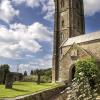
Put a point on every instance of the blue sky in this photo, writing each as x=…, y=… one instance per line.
x=26, y=31
x=92, y=23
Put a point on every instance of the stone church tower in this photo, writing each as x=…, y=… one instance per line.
x=69, y=22
x=70, y=42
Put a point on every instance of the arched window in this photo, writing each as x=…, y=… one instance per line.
x=62, y=3
x=78, y=4
x=62, y=36
x=63, y=23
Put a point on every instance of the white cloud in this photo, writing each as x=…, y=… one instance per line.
x=45, y=62
x=91, y=7
x=29, y=3
x=40, y=32
x=49, y=9
x=47, y=6
x=32, y=3
x=7, y=12
x=20, y=39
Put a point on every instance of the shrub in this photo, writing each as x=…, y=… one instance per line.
x=89, y=69
x=86, y=82
x=81, y=90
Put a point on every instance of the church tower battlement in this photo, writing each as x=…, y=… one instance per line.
x=69, y=22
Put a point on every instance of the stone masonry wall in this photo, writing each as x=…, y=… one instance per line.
x=92, y=47
x=43, y=95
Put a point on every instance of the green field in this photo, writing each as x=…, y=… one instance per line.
x=22, y=88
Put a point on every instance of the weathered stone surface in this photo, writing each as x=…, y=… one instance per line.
x=43, y=95
x=86, y=49
x=83, y=38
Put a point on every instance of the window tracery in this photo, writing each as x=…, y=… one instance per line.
x=62, y=3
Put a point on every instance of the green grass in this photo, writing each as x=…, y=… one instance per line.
x=22, y=88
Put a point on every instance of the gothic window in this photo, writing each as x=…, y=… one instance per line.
x=63, y=24
x=62, y=3
x=77, y=5
x=62, y=37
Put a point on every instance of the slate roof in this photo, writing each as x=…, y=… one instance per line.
x=82, y=38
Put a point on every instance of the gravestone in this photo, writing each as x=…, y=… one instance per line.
x=9, y=81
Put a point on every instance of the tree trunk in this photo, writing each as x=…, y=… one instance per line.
x=39, y=79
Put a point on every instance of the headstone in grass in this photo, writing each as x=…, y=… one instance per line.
x=9, y=81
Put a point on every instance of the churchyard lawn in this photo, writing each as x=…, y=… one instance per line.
x=23, y=88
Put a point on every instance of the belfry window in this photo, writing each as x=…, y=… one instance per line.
x=78, y=4
x=62, y=3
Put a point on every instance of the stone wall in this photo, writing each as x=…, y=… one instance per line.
x=43, y=95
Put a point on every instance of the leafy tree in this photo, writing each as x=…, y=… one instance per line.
x=5, y=66
x=86, y=81
x=90, y=70
x=39, y=73
x=5, y=69
x=25, y=73
x=81, y=90
x=31, y=72
x=47, y=75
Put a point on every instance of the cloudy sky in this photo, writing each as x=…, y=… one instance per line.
x=26, y=31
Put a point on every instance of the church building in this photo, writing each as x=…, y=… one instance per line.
x=70, y=40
